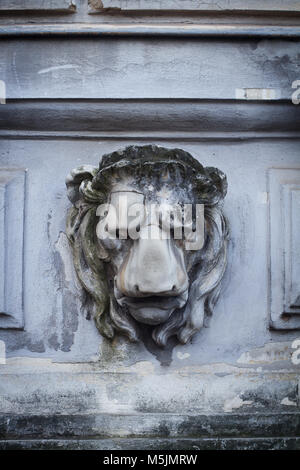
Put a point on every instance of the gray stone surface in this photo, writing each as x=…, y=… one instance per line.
x=49, y=6
x=195, y=5
x=145, y=267
x=176, y=119
x=260, y=18
x=12, y=203
x=140, y=68
x=158, y=425
x=155, y=444
x=53, y=317
x=284, y=185
x=237, y=364
x=227, y=101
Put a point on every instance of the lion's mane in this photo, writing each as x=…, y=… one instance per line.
x=89, y=186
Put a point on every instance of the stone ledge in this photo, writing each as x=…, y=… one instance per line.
x=48, y=6
x=155, y=444
x=35, y=386
x=150, y=29
x=101, y=6
x=150, y=425
x=192, y=116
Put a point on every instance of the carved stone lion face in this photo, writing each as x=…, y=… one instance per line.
x=132, y=254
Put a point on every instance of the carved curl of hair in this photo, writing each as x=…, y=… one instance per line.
x=89, y=186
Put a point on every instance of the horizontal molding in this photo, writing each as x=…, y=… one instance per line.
x=139, y=425
x=148, y=136
x=151, y=444
x=101, y=6
x=51, y=6
x=150, y=29
x=143, y=118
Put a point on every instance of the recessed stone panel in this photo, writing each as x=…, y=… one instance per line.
x=12, y=198
x=284, y=185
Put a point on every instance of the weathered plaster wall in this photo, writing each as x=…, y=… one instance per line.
x=234, y=363
x=55, y=324
x=69, y=101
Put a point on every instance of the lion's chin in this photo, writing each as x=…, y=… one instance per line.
x=151, y=315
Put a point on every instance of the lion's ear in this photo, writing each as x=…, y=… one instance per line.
x=74, y=179
x=219, y=179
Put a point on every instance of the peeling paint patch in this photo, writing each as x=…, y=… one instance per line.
x=234, y=403
x=182, y=356
x=256, y=94
x=263, y=197
x=57, y=67
x=269, y=353
x=2, y=353
x=62, y=247
x=286, y=401
x=67, y=299
x=96, y=4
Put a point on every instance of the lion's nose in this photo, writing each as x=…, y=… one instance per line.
x=154, y=267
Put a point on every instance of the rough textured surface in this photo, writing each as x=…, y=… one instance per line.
x=60, y=329
x=58, y=6
x=141, y=68
x=161, y=426
x=155, y=444
x=142, y=275
x=73, y=99
x=12, y=204
x=179, y=119
x=196, y=5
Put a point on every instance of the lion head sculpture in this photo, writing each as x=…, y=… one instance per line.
x=157, y=281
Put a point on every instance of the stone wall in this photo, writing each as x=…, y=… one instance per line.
x=83, y=80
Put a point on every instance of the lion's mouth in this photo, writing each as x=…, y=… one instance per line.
x=153, y=309
x=155, y=301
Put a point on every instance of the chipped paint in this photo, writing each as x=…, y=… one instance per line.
x=2, y=352
x=286, y=401
x=268, y=354
x=58, y=67
x=256, y=94
x=234, y=403
x=263, y=197
x=183, y=356
x=62, y=247
x=96, y=4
